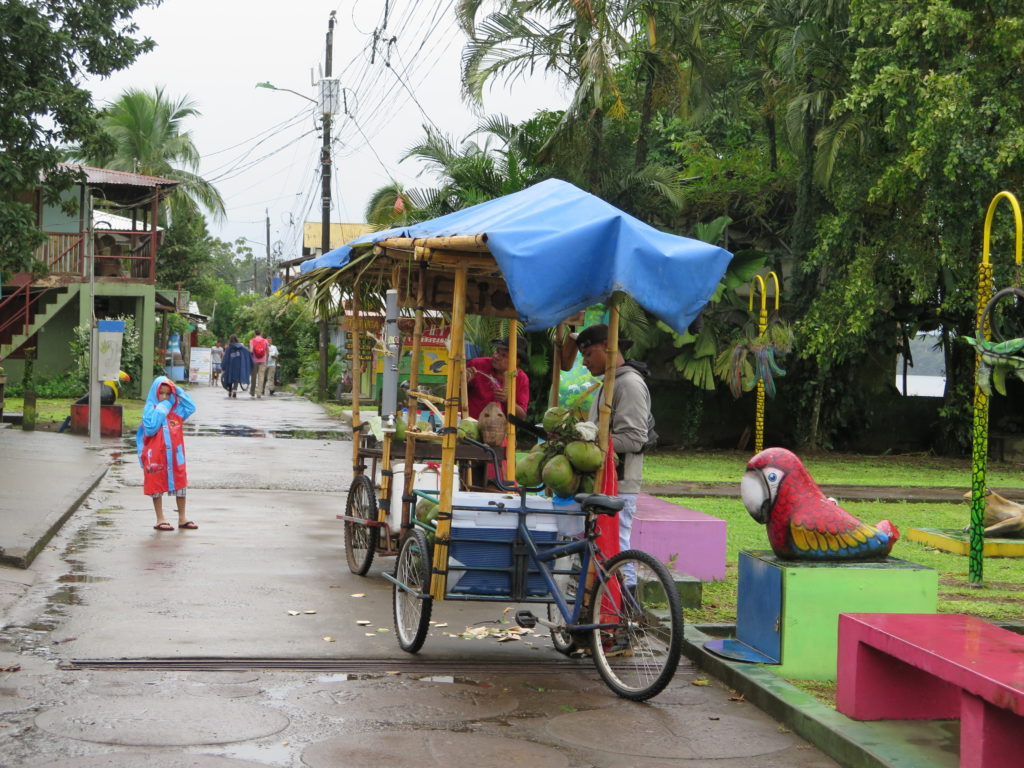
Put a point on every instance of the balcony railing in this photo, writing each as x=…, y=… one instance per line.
x=124, y=254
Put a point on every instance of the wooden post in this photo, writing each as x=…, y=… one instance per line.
x=556, y=364
x=608, y=390
x=510, y=399
x=456, y=363
x=354, y=339
x=408, y=508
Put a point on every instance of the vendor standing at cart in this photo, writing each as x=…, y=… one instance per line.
x=486, y=381
x=632, y=424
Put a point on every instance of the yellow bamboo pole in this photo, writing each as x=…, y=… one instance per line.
x=355, y=336
x=556, y=364
x=412, y=405
x=510, y=399
x=608, y=390
x=456, y=363
x=979, y=453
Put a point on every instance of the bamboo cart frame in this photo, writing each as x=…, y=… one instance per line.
x=456, y=275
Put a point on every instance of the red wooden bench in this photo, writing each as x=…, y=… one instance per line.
x=908, y=666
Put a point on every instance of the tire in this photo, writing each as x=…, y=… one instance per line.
x=650, y=625
x=361, y=540
x=412, y=613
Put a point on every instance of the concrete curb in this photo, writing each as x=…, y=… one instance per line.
x=23, y=558
x=855, y=744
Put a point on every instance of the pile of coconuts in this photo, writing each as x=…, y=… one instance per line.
x=567, y=463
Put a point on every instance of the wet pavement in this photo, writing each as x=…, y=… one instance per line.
x=248, y=642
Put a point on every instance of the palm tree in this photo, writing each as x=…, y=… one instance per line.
x=148, y=136
x=580, y=42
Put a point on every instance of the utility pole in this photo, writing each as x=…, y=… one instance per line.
x=325, y=176
x=269, y=273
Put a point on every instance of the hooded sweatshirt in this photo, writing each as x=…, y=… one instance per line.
x=631, y=421
x=159, y=440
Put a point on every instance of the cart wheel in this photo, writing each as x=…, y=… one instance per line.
x=638, y=657
x=412, y=572
x=360, y=539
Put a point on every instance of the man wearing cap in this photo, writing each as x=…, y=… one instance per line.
x=486, y=380
x=631, y=421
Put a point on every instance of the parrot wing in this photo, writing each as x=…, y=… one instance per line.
x=824, y=529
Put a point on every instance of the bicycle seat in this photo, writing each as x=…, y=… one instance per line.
x=603, y=505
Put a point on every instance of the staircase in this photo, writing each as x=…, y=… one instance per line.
x=37, y=305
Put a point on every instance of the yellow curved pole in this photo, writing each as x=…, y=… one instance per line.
x=979, y=429
x=762, y=327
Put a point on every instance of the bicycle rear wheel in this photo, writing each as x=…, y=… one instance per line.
x=412, y=571
x=637, y=652
x=361, y=539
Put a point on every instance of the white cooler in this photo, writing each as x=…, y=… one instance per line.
x=426, y=479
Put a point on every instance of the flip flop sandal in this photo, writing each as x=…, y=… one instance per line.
x=163, y=527
x=189, y=526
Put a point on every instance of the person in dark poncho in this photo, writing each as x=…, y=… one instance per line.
x=236, y=367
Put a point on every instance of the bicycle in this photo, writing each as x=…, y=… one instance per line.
x=627, y=614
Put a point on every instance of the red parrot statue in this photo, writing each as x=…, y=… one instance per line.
x=803, y=524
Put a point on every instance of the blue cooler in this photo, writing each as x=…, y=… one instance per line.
x=484, y=559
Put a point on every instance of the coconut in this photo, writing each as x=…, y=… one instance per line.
x=554, y=417
x=587, y=481
x=424, y=426
x=469, y=428
x=559, y=477
x=585, y=457
x=528, y=469
x=424, y=509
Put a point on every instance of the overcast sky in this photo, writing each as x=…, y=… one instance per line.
x=261, y=148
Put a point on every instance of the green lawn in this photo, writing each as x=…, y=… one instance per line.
x=51, y=412
x=831, y=468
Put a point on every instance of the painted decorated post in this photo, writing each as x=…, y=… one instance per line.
x=979, y=453
x=762, y=329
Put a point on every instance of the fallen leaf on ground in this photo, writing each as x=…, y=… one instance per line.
x=714, y=718
x=309, y=611
x=11, y=668
x=294, y=613
x=370, y=634
x=328, y=639
x=701, y=681
x=741, y=697
x=358, y=594
x=362, y=622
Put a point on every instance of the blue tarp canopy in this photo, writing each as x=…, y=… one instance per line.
x=561, y=250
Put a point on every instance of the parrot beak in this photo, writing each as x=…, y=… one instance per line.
x=756, y=495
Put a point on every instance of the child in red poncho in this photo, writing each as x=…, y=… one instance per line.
x=161, y=447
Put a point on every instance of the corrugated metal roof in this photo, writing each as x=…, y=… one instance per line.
x=106, y=176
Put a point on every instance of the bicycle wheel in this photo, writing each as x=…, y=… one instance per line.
x=412, y=570
x=361, y=539
x=638, y=656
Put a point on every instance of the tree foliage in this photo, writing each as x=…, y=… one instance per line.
x=46, y=49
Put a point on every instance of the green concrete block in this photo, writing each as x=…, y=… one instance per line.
x=811, y=596
x=690, y=589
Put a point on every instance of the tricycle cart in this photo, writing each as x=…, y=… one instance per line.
x=540, y=256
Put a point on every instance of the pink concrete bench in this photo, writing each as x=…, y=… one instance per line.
x=693, y=541
x=909, y=666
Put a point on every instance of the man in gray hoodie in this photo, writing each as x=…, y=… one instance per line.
x=631, y=421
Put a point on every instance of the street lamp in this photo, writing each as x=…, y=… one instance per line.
x=273, y=87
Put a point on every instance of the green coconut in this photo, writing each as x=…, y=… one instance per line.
x=528, y=469
x=469, y=428
x=584, y=456
x=424, y=509
x=559, y=477
x=424, y=426
x=587, y=481
x=554, y=417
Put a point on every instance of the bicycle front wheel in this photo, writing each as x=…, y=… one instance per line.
x=412, y=572
x=637, y=649
x=361, y=539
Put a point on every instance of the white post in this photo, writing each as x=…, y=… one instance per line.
x=94, y=383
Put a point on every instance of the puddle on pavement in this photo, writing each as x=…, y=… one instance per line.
x=272, y=754
x=452, y=680
x=242, y=430
x=345, y=677
x=81, y=578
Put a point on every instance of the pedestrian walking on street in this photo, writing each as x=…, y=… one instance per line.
x=216, y=358
x=259, y=347
x=161, y=447
x=236, y=367
x=272, y=353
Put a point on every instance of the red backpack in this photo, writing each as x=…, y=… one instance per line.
x=259, y=347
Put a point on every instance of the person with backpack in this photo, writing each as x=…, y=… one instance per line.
x=259, y=347
x=632, y=424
